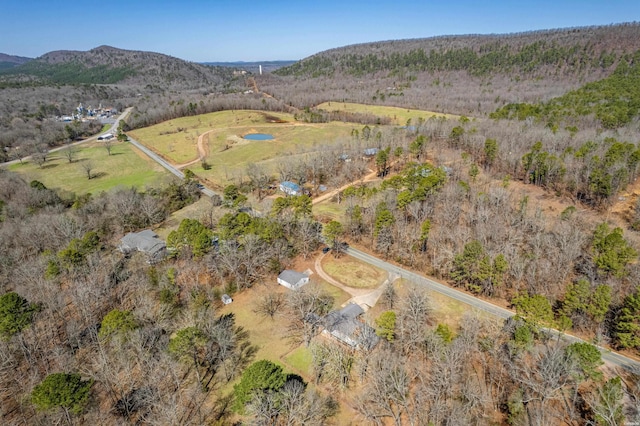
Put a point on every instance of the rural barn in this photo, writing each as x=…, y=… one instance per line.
x=292, y=279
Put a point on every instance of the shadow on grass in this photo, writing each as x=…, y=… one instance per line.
x=98, y=175
x=49, y=166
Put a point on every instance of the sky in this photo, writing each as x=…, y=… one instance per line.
x=262, y=30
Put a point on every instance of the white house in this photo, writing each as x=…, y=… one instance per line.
x=226, y=299
x=292, y=279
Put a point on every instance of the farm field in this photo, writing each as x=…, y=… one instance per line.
x=398, y=115
x=226, y=151
x=126, y=166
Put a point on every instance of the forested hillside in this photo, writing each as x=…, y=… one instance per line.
x=10, y=61
x=473, y=74
x=109, y=65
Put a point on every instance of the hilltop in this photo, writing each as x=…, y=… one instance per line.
x=465, y=74
x=10, y=61
x=110, y=65
x=565, y=51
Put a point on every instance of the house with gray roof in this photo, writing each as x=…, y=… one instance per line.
x=147, y=242
x=347, y=327
x=292, y=279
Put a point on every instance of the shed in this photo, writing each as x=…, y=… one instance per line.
x=292, y=279
x=226, y=299
x=370, y=152
x=105, y=137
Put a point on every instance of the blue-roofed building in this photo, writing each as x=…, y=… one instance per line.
x=290, y=188
x=370, y=152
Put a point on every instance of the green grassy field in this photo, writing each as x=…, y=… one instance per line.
x=177, y=139
x=398, y=115
x=228, y=153
x=125, y=167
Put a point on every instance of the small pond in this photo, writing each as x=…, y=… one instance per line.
x=258, y=137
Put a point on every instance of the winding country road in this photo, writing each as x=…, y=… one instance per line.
x=612, y=358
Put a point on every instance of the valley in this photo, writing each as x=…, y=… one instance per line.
x=474, y=197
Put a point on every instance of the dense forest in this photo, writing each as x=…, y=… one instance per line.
x=513, y=200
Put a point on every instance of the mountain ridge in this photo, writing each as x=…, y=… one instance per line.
x=110, y=65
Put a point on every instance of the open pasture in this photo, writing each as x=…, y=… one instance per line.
x=229, y=154
x=126, y=166
x=398, y=115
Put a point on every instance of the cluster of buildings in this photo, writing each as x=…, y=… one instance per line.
x=345, y=325
x=89, y=113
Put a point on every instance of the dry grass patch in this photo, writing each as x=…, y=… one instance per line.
x=353, y=273
x=399, y=116
x=269, y=335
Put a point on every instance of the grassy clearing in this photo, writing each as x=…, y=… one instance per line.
x=177, y=139
x=125, y=167
x=105, y=128
x=340, y=296
x=327, y=211
x=445, y=309
x=270, y=335
x=300, y=361
x=229, y=154
x=398, y=115
x=353, y=273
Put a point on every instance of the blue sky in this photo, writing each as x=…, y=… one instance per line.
x=259, y=30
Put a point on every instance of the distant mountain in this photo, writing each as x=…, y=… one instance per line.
x=571, y=50
x=109, y=65
x=10, y=61
x=253, y=67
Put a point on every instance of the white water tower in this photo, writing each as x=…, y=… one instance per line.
x=260, y=67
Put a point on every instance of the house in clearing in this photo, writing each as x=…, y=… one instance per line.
x=145, y=241
x=346, y=326
x=292, y=279
x=371, y=152
x=290, y=188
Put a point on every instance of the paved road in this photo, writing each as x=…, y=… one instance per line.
x=158, y=159
x=608, y=356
